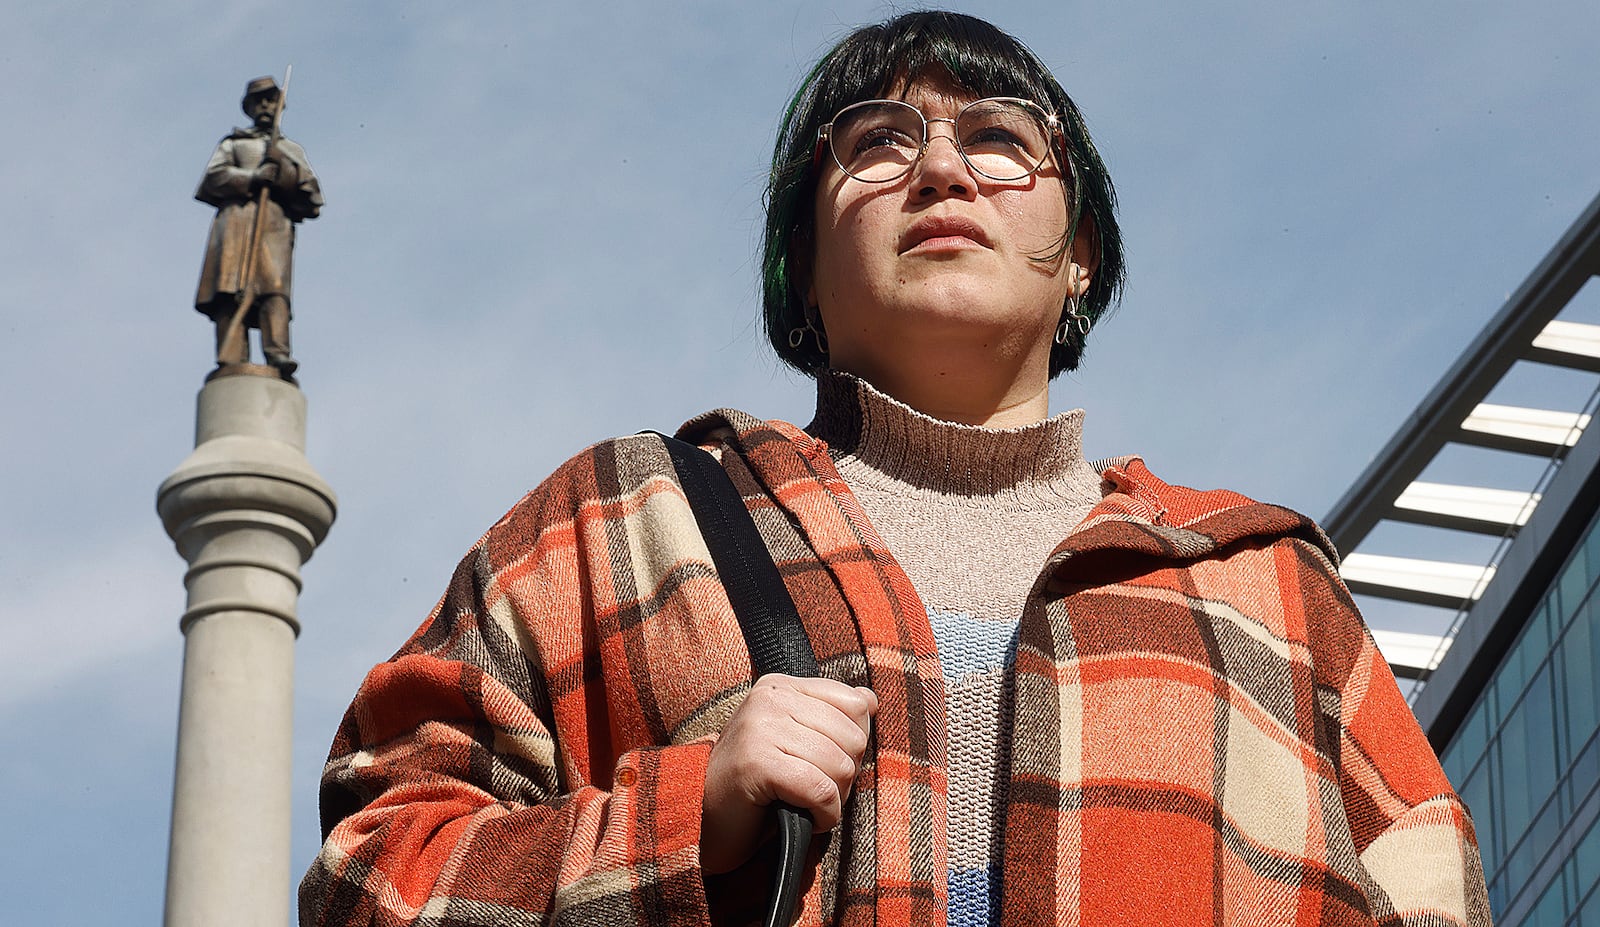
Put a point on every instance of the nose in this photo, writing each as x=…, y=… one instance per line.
x=941, y=171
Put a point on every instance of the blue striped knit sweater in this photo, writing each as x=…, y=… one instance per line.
x=971, y=514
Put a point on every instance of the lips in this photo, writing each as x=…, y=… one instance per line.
x=940, y=227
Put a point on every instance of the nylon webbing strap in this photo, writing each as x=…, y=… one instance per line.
x=772, y=630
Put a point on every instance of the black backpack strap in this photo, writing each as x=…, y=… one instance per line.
x=772, y=630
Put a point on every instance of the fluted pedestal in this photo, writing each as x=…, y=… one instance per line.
x=246, y=510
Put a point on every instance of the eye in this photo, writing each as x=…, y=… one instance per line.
x=995, y=136
x=883, y=136
x=1002, y=127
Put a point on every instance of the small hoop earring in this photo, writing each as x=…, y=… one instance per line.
x=797, y=336
x=1073, y=320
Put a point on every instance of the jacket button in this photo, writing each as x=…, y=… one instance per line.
x=627, y=777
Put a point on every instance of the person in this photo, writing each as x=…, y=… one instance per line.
x=1052, y=692
x=244, y=163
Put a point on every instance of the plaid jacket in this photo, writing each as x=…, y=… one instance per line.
x=1204, y=733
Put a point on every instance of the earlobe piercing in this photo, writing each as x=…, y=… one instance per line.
x=797, y=335
x=1072, y=320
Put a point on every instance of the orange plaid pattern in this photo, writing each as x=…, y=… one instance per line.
x=1204, y=732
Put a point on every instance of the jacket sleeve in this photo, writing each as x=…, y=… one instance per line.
x=453, y=795
x=298, y=190
x=224, y=181
x=1413, y=833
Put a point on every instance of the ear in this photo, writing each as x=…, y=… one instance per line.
x=1085, y=255
x=1086, y=245
x=800, y=279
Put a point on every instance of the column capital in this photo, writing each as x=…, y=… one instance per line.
x=246, y=509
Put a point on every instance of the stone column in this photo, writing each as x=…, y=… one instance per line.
x=246, y=510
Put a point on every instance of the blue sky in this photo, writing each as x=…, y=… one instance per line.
x=540, y=231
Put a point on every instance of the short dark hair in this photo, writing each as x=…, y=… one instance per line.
x=981, y=60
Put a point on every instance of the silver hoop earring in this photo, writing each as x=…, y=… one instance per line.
x=797, y=336
x=1073, y=320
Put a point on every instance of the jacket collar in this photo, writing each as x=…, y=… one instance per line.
x=1139, y=513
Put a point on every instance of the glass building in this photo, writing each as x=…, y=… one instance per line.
x=1472, y=543
x=1526, y=756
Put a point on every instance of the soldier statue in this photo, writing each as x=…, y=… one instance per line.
x=262, y=187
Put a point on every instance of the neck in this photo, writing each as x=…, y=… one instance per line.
x=964, y=393
x=971, y=374
x=919, y=454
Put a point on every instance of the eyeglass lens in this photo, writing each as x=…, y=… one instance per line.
x=878, y=141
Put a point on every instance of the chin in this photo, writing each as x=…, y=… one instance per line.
x=975, y=301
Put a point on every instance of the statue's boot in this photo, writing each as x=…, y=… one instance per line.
x=285, y=364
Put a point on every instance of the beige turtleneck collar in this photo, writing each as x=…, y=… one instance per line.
x=887, y=446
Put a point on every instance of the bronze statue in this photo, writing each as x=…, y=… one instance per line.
x=262, y=187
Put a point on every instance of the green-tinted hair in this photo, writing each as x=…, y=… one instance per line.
x=872, y=61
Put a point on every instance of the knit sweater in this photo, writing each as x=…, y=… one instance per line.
x=1204, y=732
x=968, y=512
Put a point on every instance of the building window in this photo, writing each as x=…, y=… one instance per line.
x=1526, y=759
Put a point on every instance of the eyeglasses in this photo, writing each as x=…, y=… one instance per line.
x=1001, y=138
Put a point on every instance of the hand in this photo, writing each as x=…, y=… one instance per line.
x=265, y=175
x=793, y=740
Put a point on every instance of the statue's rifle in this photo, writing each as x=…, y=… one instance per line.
x=247, y=296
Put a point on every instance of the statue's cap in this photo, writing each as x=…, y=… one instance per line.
x=260, y=85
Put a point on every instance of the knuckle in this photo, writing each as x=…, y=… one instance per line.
x=761, y=703
x=823, y=793
x=854, y=742
x=862, y=704
x=826, y=815
x=845, y=772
